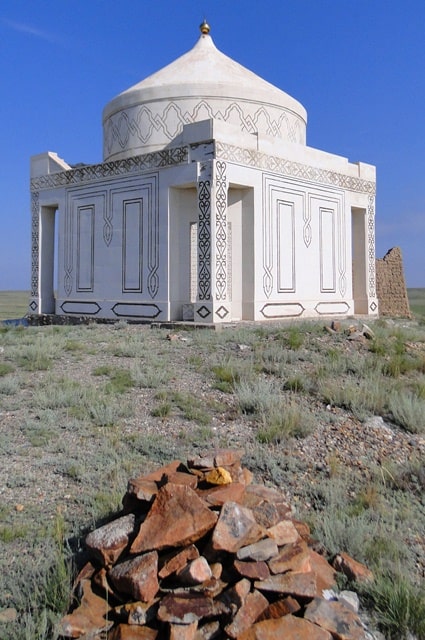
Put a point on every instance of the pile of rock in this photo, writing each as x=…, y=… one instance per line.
x=201, y=553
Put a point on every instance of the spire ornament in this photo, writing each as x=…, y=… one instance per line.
x=204, y=27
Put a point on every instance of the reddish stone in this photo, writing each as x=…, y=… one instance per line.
x=137, y=576
x=303, y=530
x=295, y=584
x=196, y=572
x=217, y=458
x=253, y=607
x=89, y=618
x=257, y=493
x=142, y=489
x=284, y=532
x=100, y=579
x=252, y=570
x=216, y=570
x=217, y=496
x=107, y=543
x=280, y=608
x=187, y=608
x=234, y=597
x=266, y=513
x=325, y=574
x=177, y=561
x=352, y=569
x=183, y=631
x=130, y=632
x=208, y=631
x=160, y=475
x=138, y=613
x=179, y=477
x=292, y=557
x=248, y=476
x=85, y=573
x=177, y=518
x=261, y=550
x=333, y=616
x=236, y=527
x=286, y=627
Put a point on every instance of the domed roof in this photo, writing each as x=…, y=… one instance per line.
x=210, y=84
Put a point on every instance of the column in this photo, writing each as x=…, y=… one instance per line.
x=212, y=302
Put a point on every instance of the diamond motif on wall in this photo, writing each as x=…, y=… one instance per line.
x=222, y=312
x=33, y=305
x=373, y=306
x=203, y=312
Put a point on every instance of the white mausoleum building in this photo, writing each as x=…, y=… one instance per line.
x=208, y=206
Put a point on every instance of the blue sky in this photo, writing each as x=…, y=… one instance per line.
x=358, y=67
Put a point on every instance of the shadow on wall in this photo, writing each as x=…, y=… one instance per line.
x=391, y=285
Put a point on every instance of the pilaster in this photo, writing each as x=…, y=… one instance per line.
x=212, y=302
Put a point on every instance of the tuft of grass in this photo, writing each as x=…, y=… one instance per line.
x=191, y=408
x=9, y=385
x=256, y=396
x=10, y=533
x=150, y=376
x=227, y=376
x=6, y=368
x=120, y=381
x=283, y=422
x=162, y=410
x=408, y=411
x=398, y=606
x=106, y=413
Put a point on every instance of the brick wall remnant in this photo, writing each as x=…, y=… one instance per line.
x=391, y=285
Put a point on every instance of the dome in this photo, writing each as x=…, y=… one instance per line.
x=203, y=83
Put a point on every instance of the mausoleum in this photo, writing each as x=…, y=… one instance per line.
x=208, y=206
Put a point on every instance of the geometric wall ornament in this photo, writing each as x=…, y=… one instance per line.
x=35, y=242
x=80, y=307
x=136, y=310
x=203, y=312
x=371, y=246
x=221, y=231
x=204, y=240
x=140, y=125
x=33, y=305
x=332, y=307
x=290, y=168
x=282, y=310
x=373, y=306
x=222, y=312
x=125, y=167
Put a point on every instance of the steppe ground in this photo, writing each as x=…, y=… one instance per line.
x=335, y=419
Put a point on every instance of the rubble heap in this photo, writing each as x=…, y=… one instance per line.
x=200, y=552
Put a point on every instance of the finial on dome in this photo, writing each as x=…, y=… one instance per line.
x=204, y=27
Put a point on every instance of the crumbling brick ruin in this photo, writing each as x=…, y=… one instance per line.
x=391, y=285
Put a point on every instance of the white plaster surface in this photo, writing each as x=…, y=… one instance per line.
x=213, y=221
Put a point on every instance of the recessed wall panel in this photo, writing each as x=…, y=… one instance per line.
x=85, y=248
x=132, y=235
x=327, y=250
x=285, y=246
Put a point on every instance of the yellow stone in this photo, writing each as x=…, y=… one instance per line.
x=219, y=475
